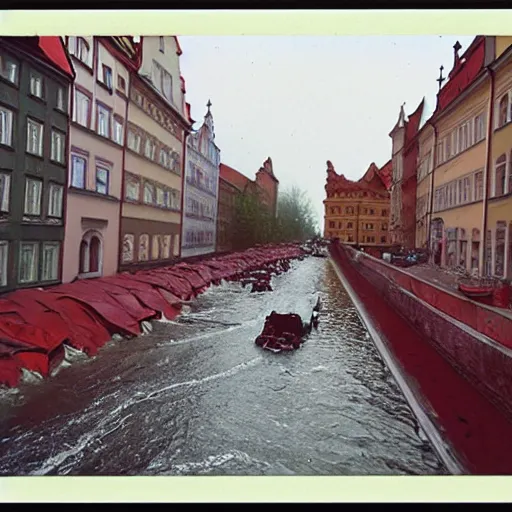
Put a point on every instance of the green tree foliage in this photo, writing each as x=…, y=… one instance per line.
x=255, y=224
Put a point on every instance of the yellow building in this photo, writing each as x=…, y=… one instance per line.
x=498, y=221
x=457, y=159
x=357, y=212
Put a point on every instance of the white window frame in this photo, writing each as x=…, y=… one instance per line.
x=102, y=110
x=55, y=200
x=4, y=260
x=5, y=192
x=130, y=186
x=73, y=180
x=35, y=207
x=58, y=147
x=82, y=100
x=104, y=183
x=480, y=117
x=144, y=199
x=61, y=99
x=508, y=115
x=34, y=271
x=134, y=141
x=54, y=276
x=6, y=126
x=9, y=69
x=107, y=83
x=494, y=175
x=150, y=149
x=36, y=85
x=118, y=132
x=37, y=148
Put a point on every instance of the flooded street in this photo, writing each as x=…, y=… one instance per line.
x=196, y=396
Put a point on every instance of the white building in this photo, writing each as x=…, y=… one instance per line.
x=200, y=191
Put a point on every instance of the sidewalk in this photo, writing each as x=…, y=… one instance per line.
x=448, y=280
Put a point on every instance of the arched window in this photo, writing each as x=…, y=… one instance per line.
x=83, y=257
x=91, y=254
x=500, y=170
x=94, y=254
x=503, y=110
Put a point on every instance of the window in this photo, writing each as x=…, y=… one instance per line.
x=107, y=76
x=384, y=213
x=55, y=200
x=155, y=247
x=479, y=127
x=50, y=261
x=5, y=126
x=167, y=85
x=82, y=109
x=5, y=192
x=28, y=262
x=33, y=196
x=128, y=243
x=448, y=147
x=36, y=85
x=143, y=247
x=121, y=83
x=61, y=99
x=503, y=111
x=162, y=44
x=150, y=148
x=479, y=186
x=103, y=121
x=8, y=69
x=349, y=225
x=118, y=131
x=164, y=159
x=149, y=193
x=80, y=48
x=134, y=140
x=34, y=137
x=132, y=188
x=440, y=153
x=58, y=147
x=368, y=226
x=4, y=257
x=466, y=195
x=162, y=80
x=78, y=168
x=160, y=196
x=102, y=180
x=499, y=175
x=382, y=239
x=384, y=226
x=332, y=224
x=91, y=254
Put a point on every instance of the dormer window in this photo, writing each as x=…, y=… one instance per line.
x=162, y=44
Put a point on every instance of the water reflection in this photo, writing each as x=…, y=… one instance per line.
x=197, y=396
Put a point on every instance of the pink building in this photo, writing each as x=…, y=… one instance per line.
x=99, y=103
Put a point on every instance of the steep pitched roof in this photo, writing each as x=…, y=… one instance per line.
x=233, y=176
x=55, y=51
x=386, y=174
x=465, y=70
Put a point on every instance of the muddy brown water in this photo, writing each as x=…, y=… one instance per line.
x=196, y=396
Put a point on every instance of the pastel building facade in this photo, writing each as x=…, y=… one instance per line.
x=201, y=189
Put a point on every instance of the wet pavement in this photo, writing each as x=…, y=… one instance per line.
x=196, y=396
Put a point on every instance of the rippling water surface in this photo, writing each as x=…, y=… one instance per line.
x=197, y=396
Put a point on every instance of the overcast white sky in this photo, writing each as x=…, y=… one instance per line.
x=303, y=100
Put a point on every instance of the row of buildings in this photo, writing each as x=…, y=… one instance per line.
x=451, y=186
x=101, y=169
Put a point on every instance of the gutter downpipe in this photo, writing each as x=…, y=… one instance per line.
x=431, y=198
x=184, y=158
x=488, y=165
